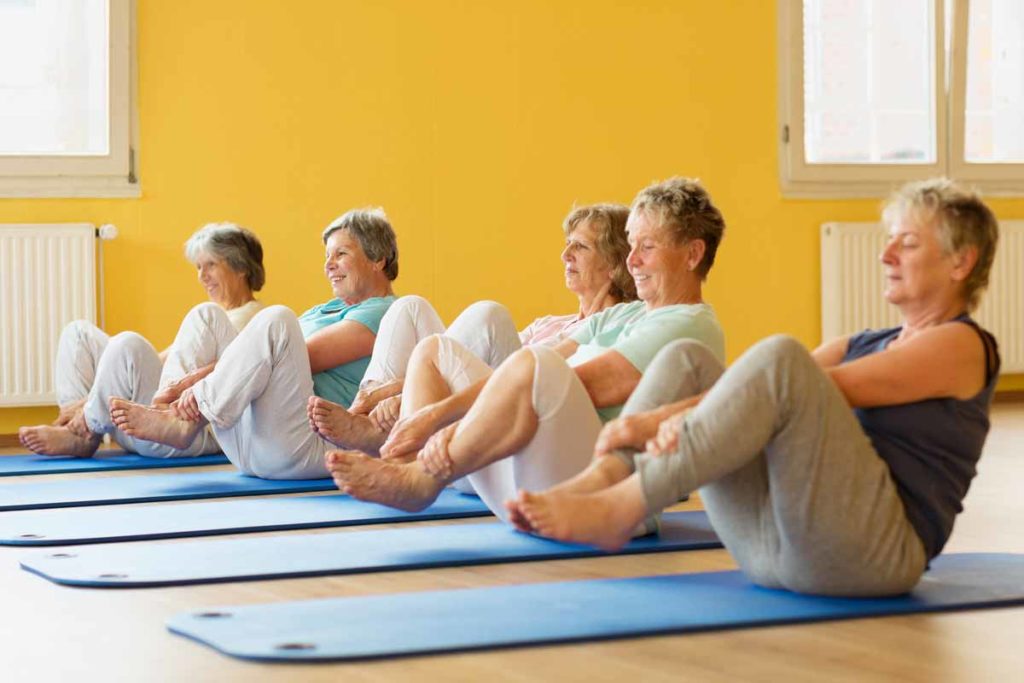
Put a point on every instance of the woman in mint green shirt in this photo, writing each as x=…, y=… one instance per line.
x=256, y=392
x=534, y=421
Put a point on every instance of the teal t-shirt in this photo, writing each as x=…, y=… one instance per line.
x=340, y=384
x=639, y=334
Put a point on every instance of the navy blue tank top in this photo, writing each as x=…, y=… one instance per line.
x=931, y=446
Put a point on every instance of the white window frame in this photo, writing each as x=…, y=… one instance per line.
x=799, y=179
x=110, y=175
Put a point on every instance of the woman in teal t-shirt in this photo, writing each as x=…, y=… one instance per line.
x=255, y=394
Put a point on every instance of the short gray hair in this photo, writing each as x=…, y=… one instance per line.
x=961, y=220
x=234, y=245
x=684, y=208
x=374, y=233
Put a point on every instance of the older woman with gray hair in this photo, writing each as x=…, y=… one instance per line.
x=91, y=366
x=836, y=472
x=259, y=380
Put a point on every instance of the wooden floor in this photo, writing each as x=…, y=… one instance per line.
x=50, y=633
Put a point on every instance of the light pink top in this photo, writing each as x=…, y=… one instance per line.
x=550, y=329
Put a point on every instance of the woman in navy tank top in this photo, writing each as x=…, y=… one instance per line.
x=836, y=472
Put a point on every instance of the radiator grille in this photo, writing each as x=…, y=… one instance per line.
x=47, y=279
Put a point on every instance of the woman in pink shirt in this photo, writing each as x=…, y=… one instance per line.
x=595, y=271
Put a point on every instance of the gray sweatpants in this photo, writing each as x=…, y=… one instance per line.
x=788, y=478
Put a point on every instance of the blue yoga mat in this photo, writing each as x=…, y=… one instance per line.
x=112, y=524
x=103, y=461
x=147, y=565
x=509, y=616
x=143, y=489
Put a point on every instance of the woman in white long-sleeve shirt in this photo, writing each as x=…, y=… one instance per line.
x=92, y=366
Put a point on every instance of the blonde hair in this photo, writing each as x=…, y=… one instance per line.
x=684, y=207
x=609, y=221
x=961, y=220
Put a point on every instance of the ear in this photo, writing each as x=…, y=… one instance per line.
x=964, y=262
x=694, y=253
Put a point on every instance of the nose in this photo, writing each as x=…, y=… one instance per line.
x=633, y=258
x=888, y=255
x=566, y=254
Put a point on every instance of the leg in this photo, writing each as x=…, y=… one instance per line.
x=204, y=334
x=78, y=354
x=256, y=400
x=790, y=481
x=534, y=408
x=682, y=369
x=486, y=328
x=408, y=320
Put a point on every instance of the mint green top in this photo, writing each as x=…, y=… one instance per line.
x=340, y=383
x=638, y=335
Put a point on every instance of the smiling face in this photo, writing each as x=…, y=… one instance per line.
x=352, y=275
x=225, y=287
x=586, y=271
x=662, y=270
x=917, y=267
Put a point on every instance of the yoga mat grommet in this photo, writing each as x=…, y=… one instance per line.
x=294, y=647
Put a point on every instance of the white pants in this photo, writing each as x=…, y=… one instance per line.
x=485, y=328
x=256, y=396
x=567, y=425
x=96, y=367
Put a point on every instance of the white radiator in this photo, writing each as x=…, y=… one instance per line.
x=47, y=279
x=852, y=284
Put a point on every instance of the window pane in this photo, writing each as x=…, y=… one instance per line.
x=869, y=82
x=994, y=127
x=54, y=77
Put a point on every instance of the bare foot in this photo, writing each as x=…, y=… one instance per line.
x=147, y=423
x=342, y=428
x=50, y=440
x=607, y=519
x=404, y=486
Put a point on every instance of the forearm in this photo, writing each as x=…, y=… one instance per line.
x=455, y=407
x=193, y=377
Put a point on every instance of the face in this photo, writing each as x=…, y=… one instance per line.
x=916, y=267
x=223, y=285
x=586, y=271
x=663, y=270
x=353, y=277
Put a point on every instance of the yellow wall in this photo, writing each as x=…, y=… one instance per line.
x=476, y=124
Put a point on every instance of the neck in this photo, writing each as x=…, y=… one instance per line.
x=687, y=293
x=593, y=302
x=236, y=300
x=378, y=290
x=929, y=314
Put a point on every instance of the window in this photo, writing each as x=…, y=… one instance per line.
x=66, y=117
x=874, y=92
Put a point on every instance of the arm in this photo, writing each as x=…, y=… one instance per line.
x=566, y=347
x=831, y=352
x=411, y=432
x=337, y=344
x=173, y=390
x=939, y=362
x=609, y=378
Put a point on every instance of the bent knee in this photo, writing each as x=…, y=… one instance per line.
x=781, y=346
x=129, y=342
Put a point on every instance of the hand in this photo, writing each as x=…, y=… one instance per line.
x=434, y=455
x=78, y=426
x=667, y=438
x=385, y=414
x=629, y=431
x=369, y=397
x=410, y=434
x=186, y=407
x=167, y=395
x=69, y=411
